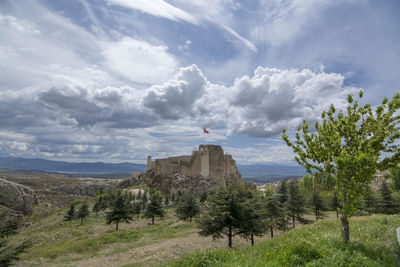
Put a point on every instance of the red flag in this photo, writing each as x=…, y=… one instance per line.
x=205, y=131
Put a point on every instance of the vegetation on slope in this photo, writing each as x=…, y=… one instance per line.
x=373, y=243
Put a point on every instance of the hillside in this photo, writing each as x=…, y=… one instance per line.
x=373, y=243
x=138, y=244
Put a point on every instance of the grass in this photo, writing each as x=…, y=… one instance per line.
x=56, y=242
x=373, y=242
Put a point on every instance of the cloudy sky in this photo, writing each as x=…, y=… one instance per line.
x=117, y=80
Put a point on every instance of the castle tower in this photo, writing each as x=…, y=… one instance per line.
x=148, y=167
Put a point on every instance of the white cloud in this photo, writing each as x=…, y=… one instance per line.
x=157, y=8
x=273, y=99
x=243, y=40
x=140, y=61
x=174, y=99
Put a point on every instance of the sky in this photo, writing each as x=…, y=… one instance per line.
x=117, y=80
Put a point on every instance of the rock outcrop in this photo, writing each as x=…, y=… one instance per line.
x=88, y=186
x=203, y=171
x=17, y=197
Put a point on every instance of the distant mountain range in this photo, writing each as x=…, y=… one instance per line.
x=253, y=172
x=70, y=167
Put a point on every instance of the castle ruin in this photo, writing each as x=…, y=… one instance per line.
x=208, y=163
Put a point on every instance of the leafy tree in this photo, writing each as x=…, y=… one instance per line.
x=83, y=212
x=154, y=208
x=349, y=146
x=120, y=211
x=386, y=204
x=187, y=207
x=296, y=202
x=70, y=213
x=317, y=204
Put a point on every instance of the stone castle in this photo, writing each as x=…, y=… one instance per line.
x=207, y=167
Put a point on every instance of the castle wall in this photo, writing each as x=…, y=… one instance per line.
x=169, y=165
x=209, y=161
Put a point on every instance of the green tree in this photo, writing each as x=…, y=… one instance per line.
x=9, y=252
x=154, y=208
x=349, y=145
x=275, y=214
x=120, y=211
x=70, y=213
x=223, y=216
x=227, y=214
x=386, y=203
x=203, y=197
x=296, y=202
x=369, y=200
x=83, y=212
x=254, y=216
x=395, y=175
x=335, y=204
x=317, y=204
x=187, y=207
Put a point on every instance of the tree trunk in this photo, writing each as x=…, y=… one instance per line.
x=81, y=221
x=230, y=237
x=337, y=213
x=316, y=216
x=116, y=226
x=272, y=231
x=346, y=228
x=152, y=220
x=190, y=219
x=293, y=220
x=252, y=239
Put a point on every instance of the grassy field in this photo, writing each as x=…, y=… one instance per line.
x=177, y=243
x=59, y=243
x=373, y=243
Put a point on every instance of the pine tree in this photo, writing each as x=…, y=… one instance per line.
x=317, y=204
x=369, y=200
x=275, y=214
x=253, y=218
x=9, y=252
x=335, y=203
x=203, y=197
x=395, y=175
x=136, y=209
x=386, y=204
x=70, y=213
x=154, y=208
x=296, y=203
x=83, y=212
x=187, y=207
x=120, y=211
x=225, y=215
